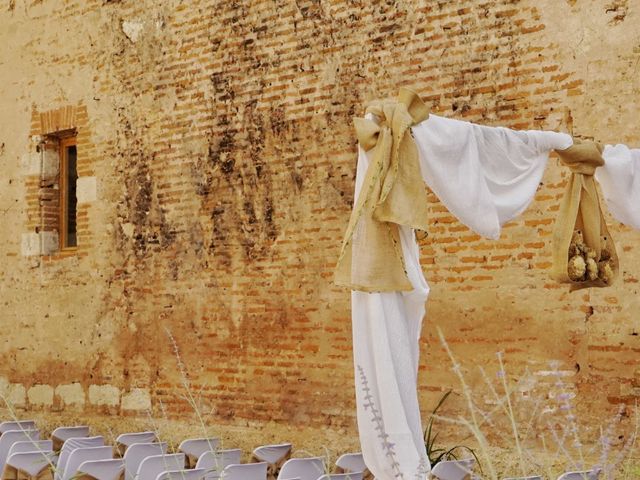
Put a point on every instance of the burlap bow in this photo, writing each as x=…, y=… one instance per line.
x=392, y=194
x=580, y=214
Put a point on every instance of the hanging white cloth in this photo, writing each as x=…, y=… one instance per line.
x=386, y=333
x=485, y=176
x=619, y=179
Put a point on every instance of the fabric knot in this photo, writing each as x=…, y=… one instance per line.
x=392, y=194
x=583, y=157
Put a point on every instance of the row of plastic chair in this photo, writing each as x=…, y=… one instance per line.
x=463, y=470
x=71, y=453
x=592, y=474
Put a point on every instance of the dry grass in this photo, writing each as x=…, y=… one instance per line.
x=512, y=436
x=516, y=435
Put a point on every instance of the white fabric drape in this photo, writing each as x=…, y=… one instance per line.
x=386, y=333
x=485, y=177
x=619, y=179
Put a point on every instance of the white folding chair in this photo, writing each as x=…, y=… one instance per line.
x=45, y=446
x=111, y=469
x=302, y=468
x=136, y=453
x=81, y=455
x=272, y=453
x=70, y=445
x=584, y=475
x=125, y=440
x=214, y=463
x=10, y=437
x=351, y=462
x=32, y=465
x=193, y=474
x=453, y=469
x=246, y=471
x=342, y=476
x=195, y=447
x=62, y=434
x=17, y=425
x=153, y=466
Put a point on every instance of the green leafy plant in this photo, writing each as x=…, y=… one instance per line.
x=439, y=454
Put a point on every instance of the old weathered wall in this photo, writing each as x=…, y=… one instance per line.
x=217, y=157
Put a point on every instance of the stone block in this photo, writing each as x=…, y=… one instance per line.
x=137, y=399
x=86, y=189
x=40, y=395
x=16, y=395
x=104, y=395
x=71, y=395
x=50, y=163
x=30, y=244
x=49, y=242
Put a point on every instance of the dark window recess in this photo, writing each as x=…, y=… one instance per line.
x=70, y=194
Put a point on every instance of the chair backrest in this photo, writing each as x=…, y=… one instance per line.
x=44, y=446
x=342, y=476
x=214, y=463
x=111, y=469
x=136, y=453
x=533, y=477
x=193, y=474
x=351, y=462
x=247, y=471
x=62, y=434
x=81, y=455
x=453, y=469
x=17, y=425
x=10, y=437
x=30, y=462
x=584, y=475
x=195, y=447
x=302, y=468
x=128, y=439
x=70, y=445
x=272, y=453
x=153, y=466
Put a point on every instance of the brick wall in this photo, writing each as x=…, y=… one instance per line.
x=219, y=138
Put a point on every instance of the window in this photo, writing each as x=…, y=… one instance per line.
x=68, y=201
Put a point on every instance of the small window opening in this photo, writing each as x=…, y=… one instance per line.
x=68, y=200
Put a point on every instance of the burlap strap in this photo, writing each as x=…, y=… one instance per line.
x=393, y=193
x=580, y=212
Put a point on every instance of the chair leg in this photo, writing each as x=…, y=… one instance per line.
x=191, y=461
x=45, y=474
x=57, y=443
x=120, y=449
x=278, y=465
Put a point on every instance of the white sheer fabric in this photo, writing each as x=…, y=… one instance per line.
x=386, y=331
x=620, y=182
x=485, y=176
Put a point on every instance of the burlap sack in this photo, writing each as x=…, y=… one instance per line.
x=580, y=217
x=393, y=194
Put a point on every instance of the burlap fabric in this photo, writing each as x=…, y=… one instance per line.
x=580, y=212
x=393, y=193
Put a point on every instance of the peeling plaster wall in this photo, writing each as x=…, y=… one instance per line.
x=222, y=164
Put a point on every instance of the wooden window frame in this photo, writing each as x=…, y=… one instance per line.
x=64, y=143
